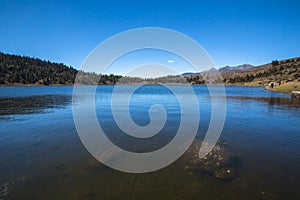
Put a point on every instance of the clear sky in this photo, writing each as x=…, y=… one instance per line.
x=233, y=32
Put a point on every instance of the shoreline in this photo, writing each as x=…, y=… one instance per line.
x=288, y=87
x=284, y=88
x=39, y=85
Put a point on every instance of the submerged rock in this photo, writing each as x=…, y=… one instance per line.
x=222, y=142
x=224, y=173
x=218, y=163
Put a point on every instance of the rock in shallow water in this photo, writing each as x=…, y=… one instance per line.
x=224, y=173
x=219, y=163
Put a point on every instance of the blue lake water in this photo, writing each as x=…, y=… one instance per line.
x=42, y=157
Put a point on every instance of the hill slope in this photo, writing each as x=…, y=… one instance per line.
x=277, y=71
x=281, y=71
x=19, y=70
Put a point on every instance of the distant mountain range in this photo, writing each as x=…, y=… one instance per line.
x=239, y=68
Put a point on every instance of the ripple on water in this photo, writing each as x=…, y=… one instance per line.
x=10, y=107
x=7, y=187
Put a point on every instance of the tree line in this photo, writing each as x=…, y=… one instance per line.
x=16, y=69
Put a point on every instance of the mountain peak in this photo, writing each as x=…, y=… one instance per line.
x=238, y=68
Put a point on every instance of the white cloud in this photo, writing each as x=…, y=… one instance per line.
x=171, y=61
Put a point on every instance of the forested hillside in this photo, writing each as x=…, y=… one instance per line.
x=25, y=70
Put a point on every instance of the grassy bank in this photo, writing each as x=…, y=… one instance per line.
x=286, y=87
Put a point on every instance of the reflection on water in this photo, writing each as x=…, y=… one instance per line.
x=271, y=101
x=10, y=106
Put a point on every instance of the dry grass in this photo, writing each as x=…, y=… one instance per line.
x=286, y=87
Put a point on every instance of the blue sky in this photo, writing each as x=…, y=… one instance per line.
x=233, y=32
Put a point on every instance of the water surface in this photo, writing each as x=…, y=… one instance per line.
x=42, y=157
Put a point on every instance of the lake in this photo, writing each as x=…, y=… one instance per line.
x=42, y=157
